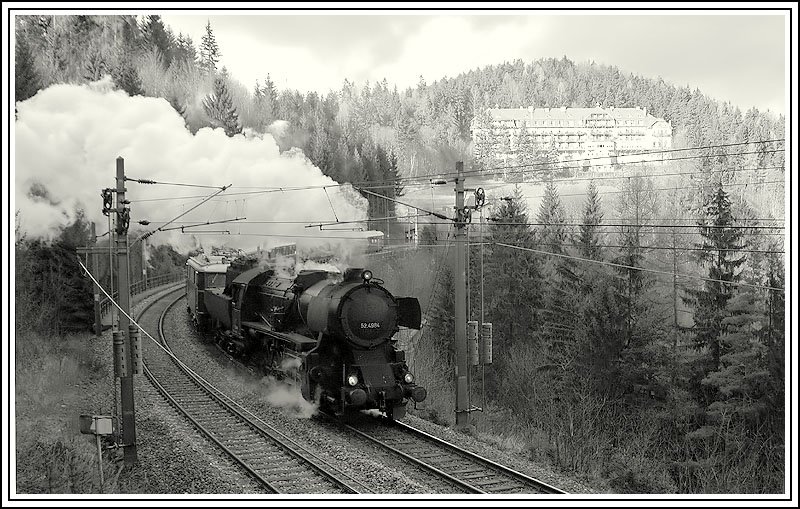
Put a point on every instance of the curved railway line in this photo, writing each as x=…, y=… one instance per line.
x=278, y=463
x=281, y=465
x=463, y=469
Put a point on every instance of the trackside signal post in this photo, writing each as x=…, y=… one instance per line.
x=467, y=354
x=460, y=280
x=123, y=282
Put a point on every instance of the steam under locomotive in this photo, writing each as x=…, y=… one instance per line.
x=333, y=333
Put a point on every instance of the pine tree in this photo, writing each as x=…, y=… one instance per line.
x=26, y=79
x=356, y=168
x=393, y=175
x=421, y=85
x=742, y=378
x=265, y=100
x=184, y=49
x=637, y=203
x=552, y=232
x=269, y=90
x=514, y=294
x=126, y=76
x=428, y=235
x=592, y=217
x=341, y=160
x=95, y=66
x=155, y=35
x=220, y=110
x=209, y=52
x=775, y=334
x=53, y=297
x=721, y=241
x=561, y=297
x=383, y=172
x=269, y=96
x=601, y=335
x=407, y=126
x=484, y=140
x=319, y=144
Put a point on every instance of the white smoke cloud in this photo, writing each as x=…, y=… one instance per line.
x=69, y=136
x=288, y=398
x=312, y=265
x=278, y=128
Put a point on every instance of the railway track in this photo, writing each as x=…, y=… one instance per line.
x=464, y=469
x=275, y=461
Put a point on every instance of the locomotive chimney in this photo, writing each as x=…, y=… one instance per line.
x=353, y=274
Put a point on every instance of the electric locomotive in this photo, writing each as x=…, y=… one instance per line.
x=332, y=333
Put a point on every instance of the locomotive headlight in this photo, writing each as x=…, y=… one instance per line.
x=352, y=380
x=409, y=378
x=366, y=275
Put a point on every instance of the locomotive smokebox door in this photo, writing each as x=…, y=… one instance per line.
x=410, y=314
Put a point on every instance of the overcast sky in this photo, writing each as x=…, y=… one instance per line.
x=736, y=57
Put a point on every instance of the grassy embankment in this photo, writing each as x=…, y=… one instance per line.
x=54, y=382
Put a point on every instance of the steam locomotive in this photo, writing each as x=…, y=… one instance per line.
x=332, y=333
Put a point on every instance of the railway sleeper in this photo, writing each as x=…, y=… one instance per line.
x=488, y=477
x=431, y=456
x=507, y=488
x=208, y=412
x=466, y=470
x=271, y=456
x=286, y=477
x=263, y=457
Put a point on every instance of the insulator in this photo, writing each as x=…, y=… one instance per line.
x=123, y=218
x=119, y=353
x=480, y=197
x=486, y=340
x=472, y=339
x=136, y=350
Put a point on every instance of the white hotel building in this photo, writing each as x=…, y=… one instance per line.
x=594, y=138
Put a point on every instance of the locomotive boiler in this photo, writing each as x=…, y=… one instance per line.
x=331, y=333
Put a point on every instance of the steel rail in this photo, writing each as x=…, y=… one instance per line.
x=284, y=444
x=439, y=473
x=519, y=476
x=465, y=477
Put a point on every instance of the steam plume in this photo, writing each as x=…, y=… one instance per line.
x=68, y=137
x=288, y=398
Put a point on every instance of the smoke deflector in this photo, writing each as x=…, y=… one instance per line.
x=410, y=314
